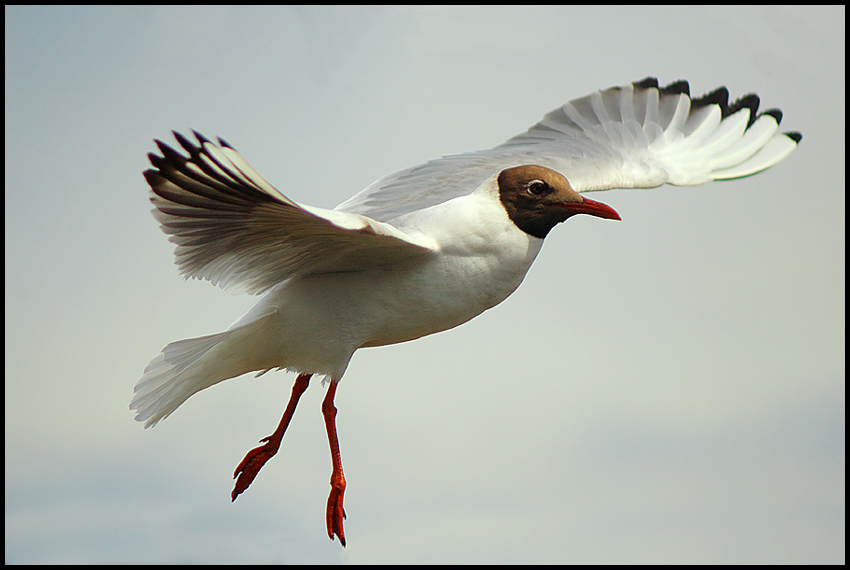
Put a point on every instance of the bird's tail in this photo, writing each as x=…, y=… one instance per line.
x=186, y=367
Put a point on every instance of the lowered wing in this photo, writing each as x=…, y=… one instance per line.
x=233, y=228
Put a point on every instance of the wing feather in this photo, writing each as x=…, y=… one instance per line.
x=235, y=229
x=635, y=136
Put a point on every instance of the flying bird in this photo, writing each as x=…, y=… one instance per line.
x=418, y=251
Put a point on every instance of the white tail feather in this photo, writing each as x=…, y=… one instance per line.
x=170, y=378
x=188, y=366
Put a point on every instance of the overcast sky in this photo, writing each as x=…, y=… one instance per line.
x=667, y=389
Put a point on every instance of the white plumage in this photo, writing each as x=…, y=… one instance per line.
x=634, y=136
x=421, y=250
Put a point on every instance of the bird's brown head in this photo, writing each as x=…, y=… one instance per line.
x=538, y=198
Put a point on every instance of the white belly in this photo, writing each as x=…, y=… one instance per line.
x=379, y=307
x=320, y=320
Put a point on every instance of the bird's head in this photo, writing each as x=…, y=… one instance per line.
x=538, y=198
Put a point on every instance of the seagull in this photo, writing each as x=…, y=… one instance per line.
x=419, y=251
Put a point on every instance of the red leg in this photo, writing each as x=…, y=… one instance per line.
x=257, y=457
x=335, y=512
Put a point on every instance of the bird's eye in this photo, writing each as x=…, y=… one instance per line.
x=536, y=187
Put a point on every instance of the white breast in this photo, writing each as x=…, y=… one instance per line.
x=482, y=258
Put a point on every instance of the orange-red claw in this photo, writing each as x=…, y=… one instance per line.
x=251, y=465
x=257, y=457
x=335, y=511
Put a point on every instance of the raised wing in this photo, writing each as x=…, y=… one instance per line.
x=235, y=229
x=635, y=136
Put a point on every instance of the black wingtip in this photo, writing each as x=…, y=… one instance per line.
x=775, y=113
x=719, y=96
x=168, y=153
x=646, y=83
x=749, y=101
x=795, y=136
x=155, y=159
x=201, y=138
x=160, y=145
x=179, y=136
x=187, y=145
x=152, y=177
x=680, y=87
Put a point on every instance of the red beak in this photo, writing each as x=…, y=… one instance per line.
x=591, y=207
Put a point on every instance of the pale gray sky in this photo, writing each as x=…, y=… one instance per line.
x=666, y=389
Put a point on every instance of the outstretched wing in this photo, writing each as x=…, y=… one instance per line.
x=235, y=229
x=635, y=136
